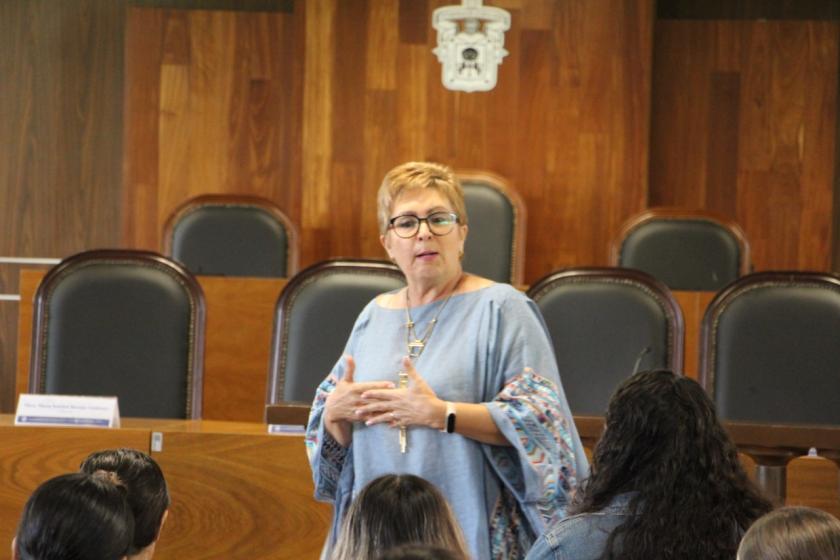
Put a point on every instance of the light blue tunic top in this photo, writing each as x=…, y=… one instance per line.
x=489, y=346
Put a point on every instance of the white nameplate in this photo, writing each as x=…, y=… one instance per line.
x=286, y=430
x=66, y=410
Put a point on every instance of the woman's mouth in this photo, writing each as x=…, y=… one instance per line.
x=425, y=255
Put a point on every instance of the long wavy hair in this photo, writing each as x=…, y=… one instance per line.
x=397, y=509
x=664, y=443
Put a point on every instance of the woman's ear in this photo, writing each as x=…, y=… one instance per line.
x=386, y=244
x=15, y=555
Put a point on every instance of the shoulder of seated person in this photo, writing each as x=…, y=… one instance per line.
x=583, y=525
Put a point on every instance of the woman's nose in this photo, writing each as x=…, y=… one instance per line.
x=423, y=230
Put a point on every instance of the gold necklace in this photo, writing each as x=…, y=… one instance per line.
x=416, y=346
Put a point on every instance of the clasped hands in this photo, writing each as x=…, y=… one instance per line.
x=377, y=402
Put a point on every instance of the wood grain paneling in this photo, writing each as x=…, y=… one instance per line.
x=744, y=123
x=259, y=489
x=212, y=104
x=61, y=133
x=567, y=123
x=748, y=9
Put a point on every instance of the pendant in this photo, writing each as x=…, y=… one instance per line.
x=415, y=348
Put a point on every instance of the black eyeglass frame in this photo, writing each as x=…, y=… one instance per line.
x=455, y=221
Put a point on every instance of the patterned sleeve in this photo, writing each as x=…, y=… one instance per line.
x=326, y=455
x=330, y=462
x=540, y=467
x=545, y=460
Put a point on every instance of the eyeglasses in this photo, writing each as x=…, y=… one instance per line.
x=439, y=223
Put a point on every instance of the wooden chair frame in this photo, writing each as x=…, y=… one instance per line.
x=520, y=217
x=771, y=461
x=650, y=285
x=118, y=256
x=280, y=334
x=195, y=203
x=677, y=213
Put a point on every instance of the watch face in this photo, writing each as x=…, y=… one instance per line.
x=450, y=422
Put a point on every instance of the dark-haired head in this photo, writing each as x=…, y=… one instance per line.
x=393, y=510
x=147, y=492
x=76, y=516
x=792, y=533
x=663, y=442
x=419, y=552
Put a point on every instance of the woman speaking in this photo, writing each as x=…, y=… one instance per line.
x=451, y=378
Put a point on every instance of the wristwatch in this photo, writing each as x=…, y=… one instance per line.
x=449, y=422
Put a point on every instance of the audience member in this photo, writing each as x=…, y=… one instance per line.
x=419, y=552
x=394, y=510
x=147, y=493
x=76, y=516
x=665, y=482
x=792, y=533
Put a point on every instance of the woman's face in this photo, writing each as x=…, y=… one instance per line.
x=425, y=257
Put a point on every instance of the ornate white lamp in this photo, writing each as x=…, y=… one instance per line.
x=470, y=44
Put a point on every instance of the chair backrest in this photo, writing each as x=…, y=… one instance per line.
x=687, y=249
x=121, y=323
x=232, y=235
x=606, y=324
x=495, y=246
x=313, y=319
x=771, y=348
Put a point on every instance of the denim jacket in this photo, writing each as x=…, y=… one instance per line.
x=583, y=536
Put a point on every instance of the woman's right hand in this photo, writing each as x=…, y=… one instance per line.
x=343, y=402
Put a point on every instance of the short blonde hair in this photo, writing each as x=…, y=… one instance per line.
x=419, y=175
x=792, y=533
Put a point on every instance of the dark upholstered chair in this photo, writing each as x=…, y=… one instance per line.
x=607, y=323
x=495, y=246
x=771, y=349
x=313, y=319
x=121, y=323
x=770, y=354
x=232, y=235
x=690, y=250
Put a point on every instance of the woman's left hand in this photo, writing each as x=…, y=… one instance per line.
x=417, y=405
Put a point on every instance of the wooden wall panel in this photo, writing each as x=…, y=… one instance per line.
x=567, y=123
x=212, y=105
x=744, y=123
x=61, y=137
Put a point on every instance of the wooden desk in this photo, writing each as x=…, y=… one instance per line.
x=240, y=318
x=236, y=491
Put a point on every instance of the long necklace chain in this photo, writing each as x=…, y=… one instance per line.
x=417, y=345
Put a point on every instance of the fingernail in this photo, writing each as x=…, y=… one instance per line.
x=368, y=423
